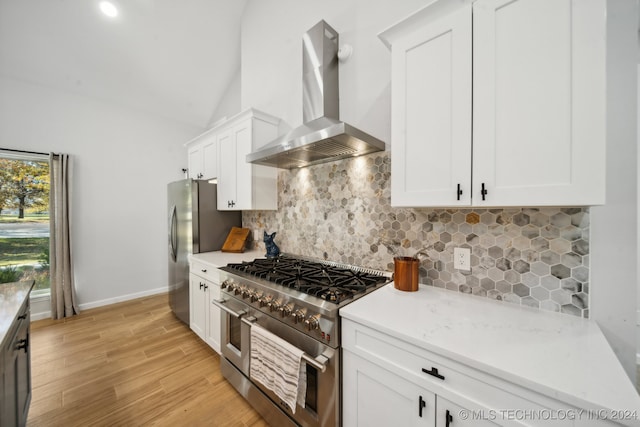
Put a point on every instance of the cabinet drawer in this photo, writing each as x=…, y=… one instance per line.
x=472, y=388
x=206, y=271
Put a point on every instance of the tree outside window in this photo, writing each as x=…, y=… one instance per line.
x=24, y=220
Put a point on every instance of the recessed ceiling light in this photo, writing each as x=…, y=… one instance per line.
x=108, y=9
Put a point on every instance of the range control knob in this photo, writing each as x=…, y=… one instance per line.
x=224, y=284
x=255, y=296
x=285, y=310
x=274, y=305
x=298, y=316
x=312, y=323
x=238, y=289
x=265, y=300
x=245, y=293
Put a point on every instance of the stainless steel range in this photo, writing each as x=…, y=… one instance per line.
x=297, y=299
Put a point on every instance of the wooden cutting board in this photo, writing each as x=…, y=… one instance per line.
x=236, y=240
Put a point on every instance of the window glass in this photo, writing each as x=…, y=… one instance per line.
x=24, y=219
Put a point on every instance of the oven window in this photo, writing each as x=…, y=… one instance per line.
x=311, y=401
x=235, y=338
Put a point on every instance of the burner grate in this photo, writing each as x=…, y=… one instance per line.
x=330, y=281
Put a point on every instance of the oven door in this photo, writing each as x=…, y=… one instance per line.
x=235, y=335
x=322, y=401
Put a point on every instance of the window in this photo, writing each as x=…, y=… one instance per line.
x=24, y=219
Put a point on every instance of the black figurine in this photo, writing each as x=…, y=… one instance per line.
x=272, y=249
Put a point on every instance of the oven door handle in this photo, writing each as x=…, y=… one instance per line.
x=319, y=363
x=220, y=305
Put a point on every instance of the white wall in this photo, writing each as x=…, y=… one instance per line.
x=614, y=243
x=229, y=105
x=122, y=161
x=271, y=57
x=271, y=60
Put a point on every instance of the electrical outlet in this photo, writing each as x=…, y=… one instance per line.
x=462, y=259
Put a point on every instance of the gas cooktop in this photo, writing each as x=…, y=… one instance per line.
x=329, y=281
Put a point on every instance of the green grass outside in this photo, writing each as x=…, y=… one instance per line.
x=28, y=217
x=22, y=250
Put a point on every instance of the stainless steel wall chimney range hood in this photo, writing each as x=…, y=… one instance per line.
x=322, y=137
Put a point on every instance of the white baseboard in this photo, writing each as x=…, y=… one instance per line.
x=122, y=298
x=41, y=305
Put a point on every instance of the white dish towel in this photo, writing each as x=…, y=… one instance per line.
x=278, y=365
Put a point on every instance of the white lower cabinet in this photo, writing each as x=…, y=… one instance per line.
x=375, y=396
x=204, y=317
x=389, y=382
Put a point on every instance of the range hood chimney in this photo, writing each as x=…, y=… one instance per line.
x=322, y=137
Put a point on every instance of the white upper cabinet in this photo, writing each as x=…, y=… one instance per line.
x=202, y=155
x=499, y=103
x=539, y=102
x=242, y=185
x=431, y=115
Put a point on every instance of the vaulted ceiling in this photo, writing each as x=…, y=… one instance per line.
x=174, y=58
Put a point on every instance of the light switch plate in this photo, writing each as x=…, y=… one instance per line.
x=462, y=259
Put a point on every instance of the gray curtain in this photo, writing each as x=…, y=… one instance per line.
x=63, y=298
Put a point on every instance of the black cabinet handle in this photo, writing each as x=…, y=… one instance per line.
x=483, y=191
x=206, y=287
x=459, y=192
x=22, y=316
x=448, y=419
x=204, y=270
x=23, y=344
x=433, y=372
x=201, y=285
x=230, y=203
x=421, y=405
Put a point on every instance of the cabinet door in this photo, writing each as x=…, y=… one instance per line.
x=197, y=302
x=23, y=371
x=10, y=398
x=431, y=114
x=227, y=171
x=210, y=158
x=213, y=329
x=539, y=102
x=448, y=414
x=196, y=165
x=373, y=396
x=242, y=137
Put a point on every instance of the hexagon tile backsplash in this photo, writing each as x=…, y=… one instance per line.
x=341, y=211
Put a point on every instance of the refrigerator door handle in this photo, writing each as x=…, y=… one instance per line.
x=173, y=234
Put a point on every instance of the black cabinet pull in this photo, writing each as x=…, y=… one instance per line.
x=22, y=316
x=22, y=344
x=459, y=192
x=204, y=270
x=448, y=419
x=201, y=285
x=206, y=287
x=483, y=191
x=433, y=372
x=421, y=405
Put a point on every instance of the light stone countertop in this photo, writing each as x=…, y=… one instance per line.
x=220, y=259
x=12, y=296
x=561, y=356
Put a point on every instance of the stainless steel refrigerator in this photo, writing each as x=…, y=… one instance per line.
x=195, y=226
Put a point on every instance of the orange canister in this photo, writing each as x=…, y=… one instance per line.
x=406, y=273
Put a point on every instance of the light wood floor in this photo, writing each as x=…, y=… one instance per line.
x=129, y=364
